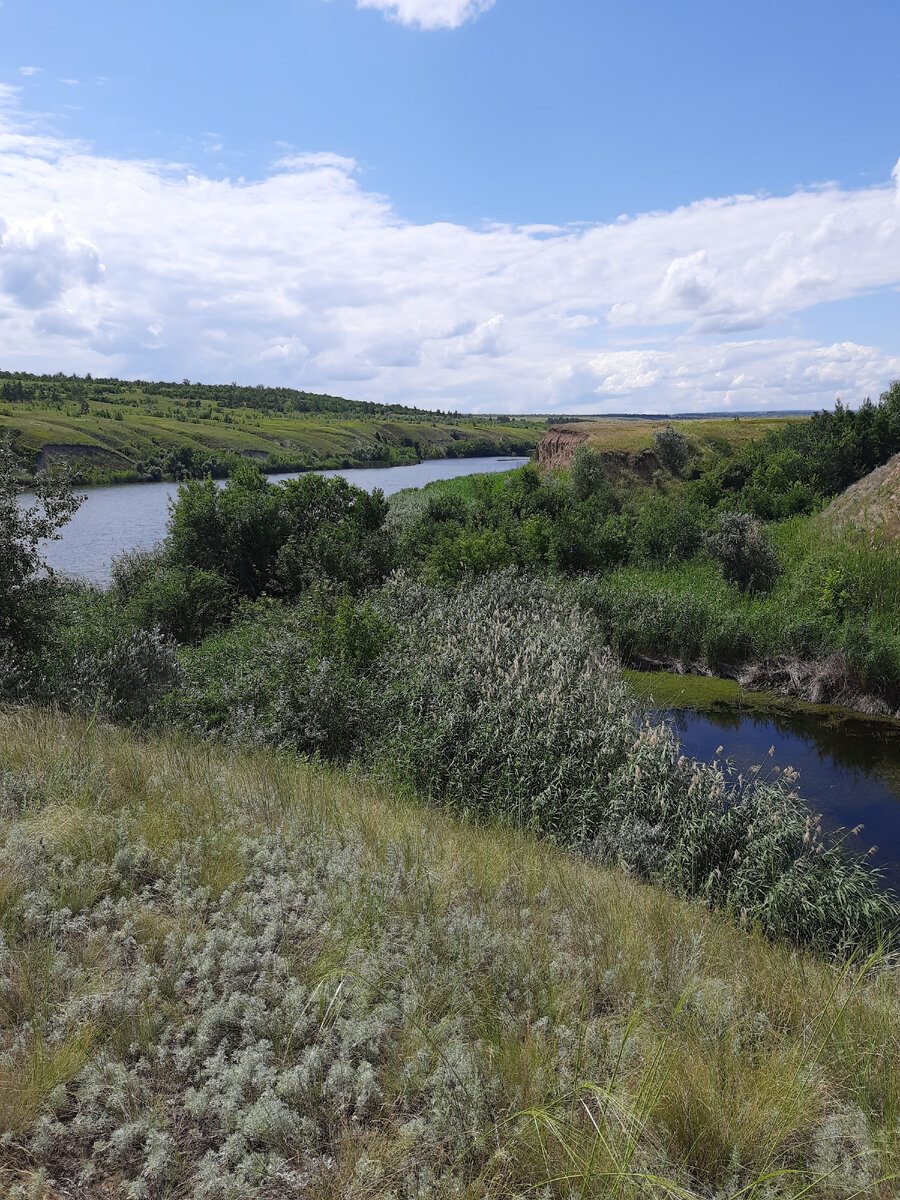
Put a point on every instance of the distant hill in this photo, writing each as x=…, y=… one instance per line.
x=115, y=430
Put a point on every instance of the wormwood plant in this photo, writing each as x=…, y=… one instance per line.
x=230, y=976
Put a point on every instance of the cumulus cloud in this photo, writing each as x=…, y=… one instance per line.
x=39, y=261
x=305, y=278
x=429, y=14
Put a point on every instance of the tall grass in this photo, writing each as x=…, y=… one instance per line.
x=498, y=699
x=838, y=595
x=229, y=974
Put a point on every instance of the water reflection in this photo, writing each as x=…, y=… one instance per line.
x=849, y=767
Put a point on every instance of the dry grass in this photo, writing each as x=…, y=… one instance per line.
x=533, y=1025
x=613, y=433
x=872, y=504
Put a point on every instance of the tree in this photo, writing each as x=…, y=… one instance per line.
x=587, y=474
x=744, y=552
x=672, y=448
x=24, y=576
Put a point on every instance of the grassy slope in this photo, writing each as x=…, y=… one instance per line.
x=113, y=446
x=220, y=964
x=872, y=504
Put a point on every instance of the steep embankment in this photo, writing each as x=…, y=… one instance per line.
x=872, y=504
x=558, y=445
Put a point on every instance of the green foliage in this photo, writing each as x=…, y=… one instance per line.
x=183, y=601
x=29, y=593
x=587, y=474
x=793, y=469
x=499, y=699
x=672, y=448
x=744, y=552
x=280, y=538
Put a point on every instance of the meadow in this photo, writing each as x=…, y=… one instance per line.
x=227, y=973
x=112, y=431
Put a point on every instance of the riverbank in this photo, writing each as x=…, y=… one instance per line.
x=112, y=431
x=255, y=973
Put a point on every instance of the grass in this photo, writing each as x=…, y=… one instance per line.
x=618, y=434
x=871, y=504
x=838, y=594
x=235, y=974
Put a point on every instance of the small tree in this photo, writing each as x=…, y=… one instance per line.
x=672, y=448
x=25, y=582
x=744, y=552
x=587, y=474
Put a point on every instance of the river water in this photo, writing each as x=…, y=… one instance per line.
x=849, y=765
x=132, y=516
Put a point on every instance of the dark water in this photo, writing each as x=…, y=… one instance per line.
x=849, y=767
x=133, y=516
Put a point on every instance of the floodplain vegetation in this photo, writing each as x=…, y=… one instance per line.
x=338, y=859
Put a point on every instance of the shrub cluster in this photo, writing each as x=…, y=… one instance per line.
x=498, y=699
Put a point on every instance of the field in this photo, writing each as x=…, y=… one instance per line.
x=232, y=975
x=635, y=434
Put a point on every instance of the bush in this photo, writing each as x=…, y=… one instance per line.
x=185, y=602
x=26, y=587
x=744, y=552
x=672, y=448
x=280, y=538
x=587, y=474
x=98, y=661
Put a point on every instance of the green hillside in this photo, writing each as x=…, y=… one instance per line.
x=113, y=430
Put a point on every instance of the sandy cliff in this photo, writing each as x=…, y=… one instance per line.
x=557, y=447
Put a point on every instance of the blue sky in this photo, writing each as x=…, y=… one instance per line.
x=495, y=206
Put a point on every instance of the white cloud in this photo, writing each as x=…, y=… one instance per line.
x=29, y=71
x=304, y=278
x=429, y=14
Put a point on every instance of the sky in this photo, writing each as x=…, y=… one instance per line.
x=482, y=205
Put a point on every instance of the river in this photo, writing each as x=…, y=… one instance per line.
x=849, y=765
x=132, y=516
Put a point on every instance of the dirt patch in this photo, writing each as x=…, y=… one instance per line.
x=557, y=447
x=72, y=454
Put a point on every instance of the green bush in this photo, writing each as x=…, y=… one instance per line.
x=672, y=448
x=185, y=602
x=27, y=590
x=744, y=552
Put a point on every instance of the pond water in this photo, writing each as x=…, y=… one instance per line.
x=849, y=765
x=133, y=516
